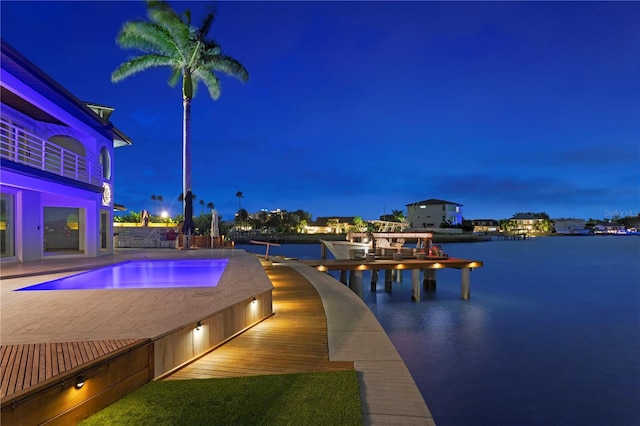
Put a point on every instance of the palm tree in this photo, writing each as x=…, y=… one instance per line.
x=201, y=206
x=154, y=198
x=160, y=200
x=398, y=215
x=167, y=39
x=240, y=196
x=210, y=206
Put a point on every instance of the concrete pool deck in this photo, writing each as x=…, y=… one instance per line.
x=56, y=316
x=388, y=392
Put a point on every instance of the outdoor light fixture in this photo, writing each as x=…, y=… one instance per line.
x=198, y=325
x=80, y=381
x=254, y=300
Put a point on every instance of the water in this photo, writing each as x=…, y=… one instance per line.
x=142, y=274
x=550, y=336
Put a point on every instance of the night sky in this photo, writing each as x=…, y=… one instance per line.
x=359, y=108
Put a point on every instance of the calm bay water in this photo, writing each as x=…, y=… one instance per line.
x=550, y=336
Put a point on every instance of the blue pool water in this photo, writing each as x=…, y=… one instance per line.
x=550, y=336
x=137, y=274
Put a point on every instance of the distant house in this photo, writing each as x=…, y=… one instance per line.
x=570, y=226
x=527, y=222
x=608, y=228
x=330, y=225
x=56, y=158
x=432, y=212
x=486, y=225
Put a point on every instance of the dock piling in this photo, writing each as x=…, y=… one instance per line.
x=466, y=284
x=374, y=279
x=415, y=285
x=388, y=279
x=429, y=279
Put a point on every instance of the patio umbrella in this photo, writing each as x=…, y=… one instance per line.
x=215, y=232
x=188, y=227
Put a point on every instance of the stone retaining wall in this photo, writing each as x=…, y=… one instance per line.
x=142, y=237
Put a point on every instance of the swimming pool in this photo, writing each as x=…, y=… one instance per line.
x=136, y=274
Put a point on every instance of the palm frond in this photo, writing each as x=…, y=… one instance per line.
x=207, y=22
x=210, y=80
x=226, y=65
x=187, y=17
x=140, y=63
x=176, y=73
x=147, y=37
x=211, y=48
x=163, y=15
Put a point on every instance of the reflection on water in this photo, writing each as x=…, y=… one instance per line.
x=551, y=334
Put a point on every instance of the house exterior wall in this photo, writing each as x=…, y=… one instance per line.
x=431, y=215
x=52, y=179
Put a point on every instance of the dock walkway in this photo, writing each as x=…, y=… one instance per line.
x=294, y=340
x=321, y=325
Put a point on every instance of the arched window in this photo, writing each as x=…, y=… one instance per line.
x=105, y=162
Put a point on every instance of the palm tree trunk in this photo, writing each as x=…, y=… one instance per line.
x=186, y=159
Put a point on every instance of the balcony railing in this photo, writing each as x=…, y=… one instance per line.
x=23, y=147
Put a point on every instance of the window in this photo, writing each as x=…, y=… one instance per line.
x=104, y=230
x=7, y=225
x=63, y=230
x=105, y=162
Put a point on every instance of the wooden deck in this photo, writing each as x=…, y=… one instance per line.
x=29, y=365
x=294, y=340
x=385, y=263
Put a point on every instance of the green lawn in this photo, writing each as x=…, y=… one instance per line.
x=331, y=398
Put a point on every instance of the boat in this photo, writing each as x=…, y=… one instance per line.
x=387, y=239
x=347, y=249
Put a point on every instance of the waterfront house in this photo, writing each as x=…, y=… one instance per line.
x=527, y=223
x=486, y=225
x=432, y=212
x=570, y=226
x=56, y=154
x=330, y=225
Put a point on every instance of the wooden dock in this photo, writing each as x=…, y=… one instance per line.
x=294, y=340
x=427, y=266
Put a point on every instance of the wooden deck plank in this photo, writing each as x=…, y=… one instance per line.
x=83, y=352
x=6, y=376
x=59, y=358
x=34, y=367
x=42, y=368
x=28, y=365
x=76, y=357
x=294, y=340
x=25, y=366
x=15, y=372
x=94, y=350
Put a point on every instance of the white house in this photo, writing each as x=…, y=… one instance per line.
x=432, y=212
x=56, y=158
x=570, y=226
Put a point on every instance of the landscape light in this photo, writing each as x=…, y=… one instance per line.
x=80, y=381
